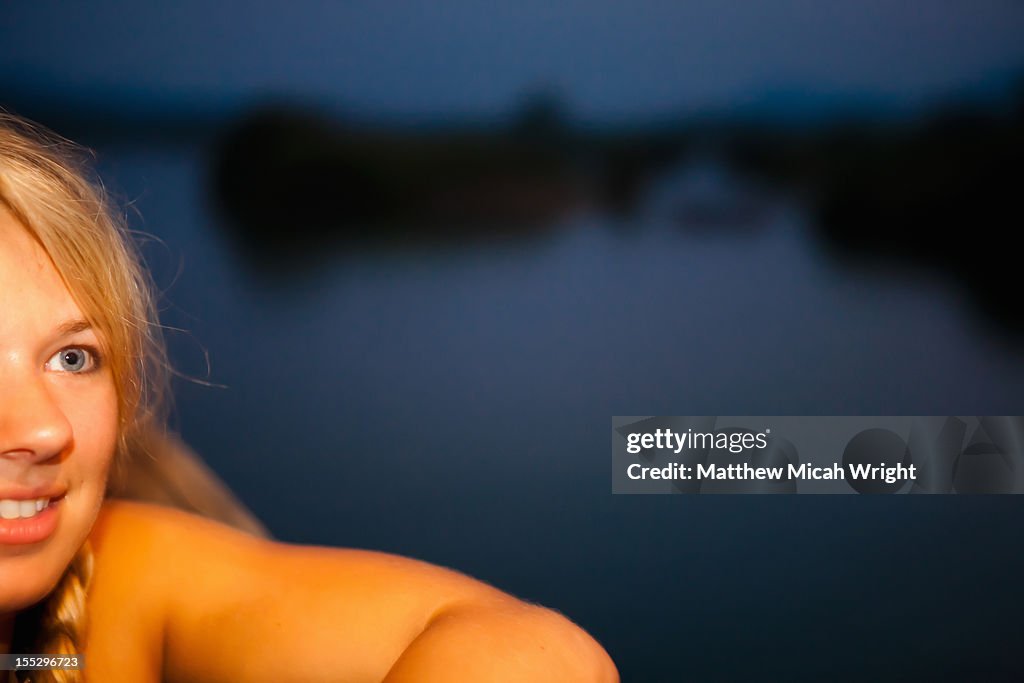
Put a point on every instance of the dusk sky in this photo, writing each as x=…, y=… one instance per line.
x=424, y=58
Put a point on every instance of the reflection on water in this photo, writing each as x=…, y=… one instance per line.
x=454, y=405
x=705, y=197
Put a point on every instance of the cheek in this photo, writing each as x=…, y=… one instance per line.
x=93, y=415
x=91, y=409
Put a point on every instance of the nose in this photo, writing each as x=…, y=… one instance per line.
x=33, y=427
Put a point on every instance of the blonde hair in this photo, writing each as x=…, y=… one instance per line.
x=43, y=183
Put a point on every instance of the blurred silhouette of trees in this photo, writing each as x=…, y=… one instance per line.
x=940, y=190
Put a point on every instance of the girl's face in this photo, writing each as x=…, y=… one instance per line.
x=58, y=421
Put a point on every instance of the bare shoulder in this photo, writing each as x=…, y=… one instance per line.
x=160, y=536
x=168, y=545
x=137, y=551
x=152, y=549
x=204, y=589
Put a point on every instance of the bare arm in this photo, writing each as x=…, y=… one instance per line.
x=245, y=609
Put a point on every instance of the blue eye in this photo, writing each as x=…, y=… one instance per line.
x=73, y=359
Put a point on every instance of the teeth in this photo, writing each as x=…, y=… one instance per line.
x=23, y=509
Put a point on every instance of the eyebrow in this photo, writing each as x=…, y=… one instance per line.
x=66, y=329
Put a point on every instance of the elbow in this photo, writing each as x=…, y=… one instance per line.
x=538, y=644
x=573, y=650
x=503, y=642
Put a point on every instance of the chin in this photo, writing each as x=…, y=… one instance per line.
x=29, y=572
x=27, y=578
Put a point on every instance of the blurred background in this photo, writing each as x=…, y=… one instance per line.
x=427, y=250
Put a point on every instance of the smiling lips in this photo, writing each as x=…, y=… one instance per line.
x=28, y=520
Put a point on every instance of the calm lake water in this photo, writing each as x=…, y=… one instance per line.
x=454, y=405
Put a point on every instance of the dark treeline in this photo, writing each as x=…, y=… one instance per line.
x=937, y=190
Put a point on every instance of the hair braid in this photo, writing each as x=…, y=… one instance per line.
x=57, y=625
